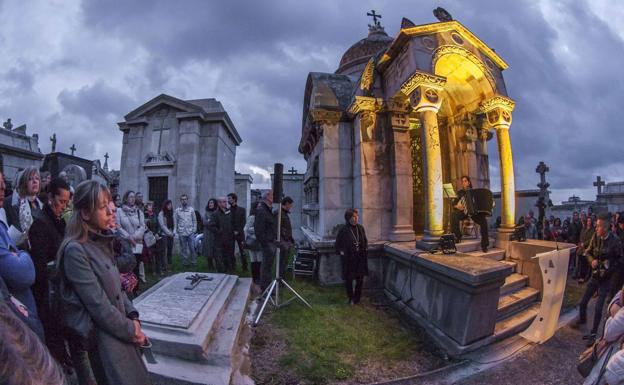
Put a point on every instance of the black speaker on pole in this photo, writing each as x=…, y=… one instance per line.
x=278, y=177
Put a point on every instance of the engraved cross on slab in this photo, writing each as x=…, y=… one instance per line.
x=195, y=280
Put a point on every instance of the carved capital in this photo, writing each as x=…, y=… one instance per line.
x=325, y=116
x=365, y=103
x=425, y=97
x=397, y=105
x=422, y=78
x=497, y=112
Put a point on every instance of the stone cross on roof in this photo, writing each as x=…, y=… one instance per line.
x=53, y=140
x=292, y=170
x=542, y=169
x=106, y=161
x=599, y=183
x=73, y=149
x=375, y=17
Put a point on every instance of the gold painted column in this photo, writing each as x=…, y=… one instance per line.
x=425, y=97
x=498, y=111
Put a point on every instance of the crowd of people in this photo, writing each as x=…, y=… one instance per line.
x=71, y=262
x=597, y=263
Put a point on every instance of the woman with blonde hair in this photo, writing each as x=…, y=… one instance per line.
x=23, y=206
x=86, y=262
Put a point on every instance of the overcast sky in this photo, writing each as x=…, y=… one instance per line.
x=76, y=68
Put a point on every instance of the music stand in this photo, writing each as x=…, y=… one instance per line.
x=449, y=192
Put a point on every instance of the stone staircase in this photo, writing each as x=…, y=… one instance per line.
x=519, y=303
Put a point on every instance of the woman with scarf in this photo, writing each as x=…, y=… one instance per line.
x=23, y=206
x=110, y=355
x=46, y=235
x=131, y=225
x=352, y=244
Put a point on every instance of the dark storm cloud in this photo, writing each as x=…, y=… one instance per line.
x=95, y=101
x=254, y=57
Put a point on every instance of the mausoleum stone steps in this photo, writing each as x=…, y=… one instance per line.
x=514, y=265
x=493, y=253
x=515, y=323
x=470, y=245
x=513, y=282
x=516, y=301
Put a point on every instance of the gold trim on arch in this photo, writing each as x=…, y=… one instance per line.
x=463, y=31
x=463, y=52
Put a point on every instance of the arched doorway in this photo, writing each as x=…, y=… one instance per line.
x=463, y=138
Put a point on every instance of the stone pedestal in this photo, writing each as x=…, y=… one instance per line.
x=195, y=332
x=454, y=297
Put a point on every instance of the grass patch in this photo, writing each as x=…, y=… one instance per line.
x=176, y=267
x=330, y=341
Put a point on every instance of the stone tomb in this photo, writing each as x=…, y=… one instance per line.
x=195, y=332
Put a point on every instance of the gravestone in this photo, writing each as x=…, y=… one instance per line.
x=194, y=325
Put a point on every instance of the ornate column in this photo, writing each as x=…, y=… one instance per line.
x=498, y=116
x=402, y=189
x=425, y=97
x=370, y=171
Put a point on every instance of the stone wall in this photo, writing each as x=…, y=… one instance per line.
x=242, y=188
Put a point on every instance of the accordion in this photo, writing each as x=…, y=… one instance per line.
x=478, y=201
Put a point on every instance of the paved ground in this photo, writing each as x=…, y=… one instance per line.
x=551, y=363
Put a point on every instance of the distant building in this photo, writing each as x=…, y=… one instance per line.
x=18, y=150
x=173, y=147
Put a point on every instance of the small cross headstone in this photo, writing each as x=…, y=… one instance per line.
x=73, y=149
x=599, y=183
x=375, y=17
x=195, y=280
x=292, y=170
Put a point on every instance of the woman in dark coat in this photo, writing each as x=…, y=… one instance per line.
x=89, y=266
x=351, y=244
x=46, y=235
x=208, y=243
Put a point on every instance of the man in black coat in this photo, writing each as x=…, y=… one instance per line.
x=223, y=230
x=45, y=235
x=239, y=217
x=604, y=255
x=266, y=233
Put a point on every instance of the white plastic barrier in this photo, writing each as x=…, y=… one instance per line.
x=554, y=267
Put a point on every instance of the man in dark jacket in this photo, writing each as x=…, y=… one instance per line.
x=604, y=254
x=223, y=230
x=266, y=233
x=45, y=235
x=239, y=217
x=286, y=239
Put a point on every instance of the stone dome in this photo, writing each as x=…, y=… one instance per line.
x=357, y=55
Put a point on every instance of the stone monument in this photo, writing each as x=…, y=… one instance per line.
x=173, y=147
x=194, y=321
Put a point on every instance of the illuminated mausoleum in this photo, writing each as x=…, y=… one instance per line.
x=400, y=117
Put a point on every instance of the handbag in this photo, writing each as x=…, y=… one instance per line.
x=149, y=238
x=589, y=357
x=76, y=321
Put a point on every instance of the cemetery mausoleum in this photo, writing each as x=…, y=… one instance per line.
x=400, y=117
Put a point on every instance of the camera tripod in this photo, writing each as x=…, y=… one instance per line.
x=271, y=293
